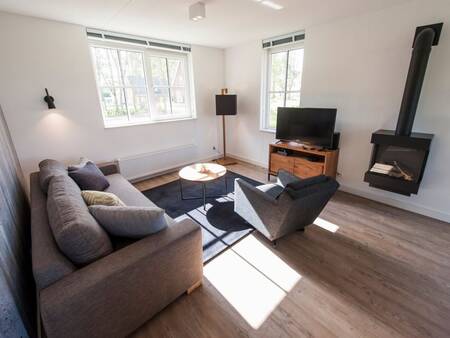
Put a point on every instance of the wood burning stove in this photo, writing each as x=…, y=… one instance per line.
x=399, y=157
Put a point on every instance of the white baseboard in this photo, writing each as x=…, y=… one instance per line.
x=248, y=160
x=178, y=166
x=413, y=207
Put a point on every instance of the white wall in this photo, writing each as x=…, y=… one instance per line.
x=39, y=53
x=359, y=65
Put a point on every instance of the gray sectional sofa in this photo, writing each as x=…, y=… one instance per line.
x=116, y=294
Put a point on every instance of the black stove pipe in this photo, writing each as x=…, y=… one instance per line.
x=419, y=60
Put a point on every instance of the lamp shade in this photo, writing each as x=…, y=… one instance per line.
x=226, y=105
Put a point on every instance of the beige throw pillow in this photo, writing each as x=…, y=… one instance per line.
x=92, y=197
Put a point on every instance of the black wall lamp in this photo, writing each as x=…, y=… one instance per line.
x=50, y=100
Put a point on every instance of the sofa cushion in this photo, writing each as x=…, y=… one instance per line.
x=92, y=197
x=76, y=232
x=48, y=169
x=130, y=222
x=129, y=195
x=89, y=177
x=271, y=189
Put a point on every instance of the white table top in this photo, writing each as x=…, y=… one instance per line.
x=202, y=172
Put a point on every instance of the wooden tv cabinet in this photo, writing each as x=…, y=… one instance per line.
x=301, y=161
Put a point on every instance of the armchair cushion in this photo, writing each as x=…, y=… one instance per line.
x=296, y=189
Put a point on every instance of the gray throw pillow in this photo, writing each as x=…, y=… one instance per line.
x=131, y=222
x=76, y=232
x=89, y=177
x=47, y=170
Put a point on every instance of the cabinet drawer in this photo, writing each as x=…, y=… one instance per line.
x=304, y=168
x=278, y=162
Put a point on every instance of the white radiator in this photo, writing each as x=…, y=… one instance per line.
x=143, y=165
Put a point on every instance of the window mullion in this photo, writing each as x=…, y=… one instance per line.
x=112, y=79
x=268, y=91
x=168, y=86
x=123, y=85
x=286, y=78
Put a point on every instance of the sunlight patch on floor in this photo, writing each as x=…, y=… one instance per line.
x=267, y=262
x=253, y=279
x=326, y=225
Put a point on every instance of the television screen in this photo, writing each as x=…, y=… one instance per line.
x=312, y=126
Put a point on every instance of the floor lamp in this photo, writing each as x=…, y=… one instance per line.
x=225, y=105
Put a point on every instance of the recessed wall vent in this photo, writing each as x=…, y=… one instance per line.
x=100, y=35
x=283, y=39
x=122, y=39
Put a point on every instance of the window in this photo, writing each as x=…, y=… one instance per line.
x=142, y=86
x=282, y=82
x=168, y=92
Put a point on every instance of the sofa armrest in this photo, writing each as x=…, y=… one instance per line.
x=109, y=168
x=49, y=265
x=116, y=294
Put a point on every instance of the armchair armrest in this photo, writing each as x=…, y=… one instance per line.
x=116, y=294
x=258, y=208
x=284, y=178
x=253, y=192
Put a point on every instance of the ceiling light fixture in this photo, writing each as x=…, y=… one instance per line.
x=270, y=4
x=197, y=11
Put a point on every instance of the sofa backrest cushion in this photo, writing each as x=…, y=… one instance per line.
x=48, y=169
x=89, y=177
x=76, y=232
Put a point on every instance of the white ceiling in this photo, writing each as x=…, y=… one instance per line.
x=227, y=23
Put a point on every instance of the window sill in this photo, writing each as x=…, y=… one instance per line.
x=134, y=124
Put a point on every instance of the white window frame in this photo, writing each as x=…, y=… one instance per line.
x=266, y=80
x=147, y=52
x=190, y=101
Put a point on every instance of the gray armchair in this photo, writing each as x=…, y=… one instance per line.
x=280, y=208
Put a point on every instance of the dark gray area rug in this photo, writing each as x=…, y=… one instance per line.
x=221, y=226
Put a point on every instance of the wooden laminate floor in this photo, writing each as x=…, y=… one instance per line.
x=365, y=270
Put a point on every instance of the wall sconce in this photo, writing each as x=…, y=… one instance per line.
x=50, y=100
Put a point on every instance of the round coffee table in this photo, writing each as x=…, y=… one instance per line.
x=202, y=173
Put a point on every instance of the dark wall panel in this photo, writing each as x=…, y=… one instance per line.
x=17, y=298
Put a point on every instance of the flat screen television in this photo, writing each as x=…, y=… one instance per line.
x=311, y=126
